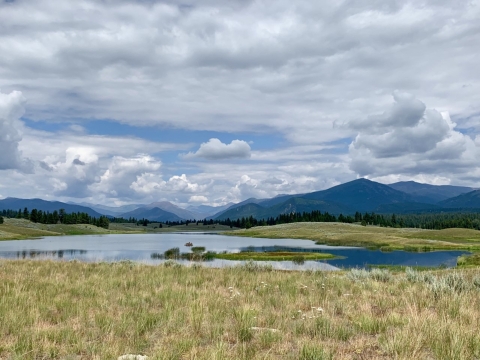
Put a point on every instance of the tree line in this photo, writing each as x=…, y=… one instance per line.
x=56, y=217
x=432, y=221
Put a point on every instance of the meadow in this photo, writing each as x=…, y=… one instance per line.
x=74, y=310
x=338, y=234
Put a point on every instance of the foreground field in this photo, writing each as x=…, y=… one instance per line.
x=370, y=236
x=72, y=310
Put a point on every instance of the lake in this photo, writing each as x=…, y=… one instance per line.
x=143, y=247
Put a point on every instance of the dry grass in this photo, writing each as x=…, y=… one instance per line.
x=370, y=236
x=19, y=229
x=72, y=310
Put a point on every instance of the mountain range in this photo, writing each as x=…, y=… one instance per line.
x=358, y=195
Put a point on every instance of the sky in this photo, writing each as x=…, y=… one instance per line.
x=208, y=102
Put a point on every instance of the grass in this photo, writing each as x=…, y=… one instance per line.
x=155, y=227
x=273, y=256
x=20, y=229
x=73, y=310
x=387, y=239
x=469, y=260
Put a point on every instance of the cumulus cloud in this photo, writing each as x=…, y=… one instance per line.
x=198, y=199
x=11, y=109
x=214, y=149
x=409, y=139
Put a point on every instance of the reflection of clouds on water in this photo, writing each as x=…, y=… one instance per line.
x=142, y=247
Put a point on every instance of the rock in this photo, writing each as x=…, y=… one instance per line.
x=132, y=357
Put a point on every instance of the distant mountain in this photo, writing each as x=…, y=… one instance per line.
x=182, y=214
x=219, y=214
x=470, y=200
x=246, y=210
x=152, y=214
x=205, y=211
x=110, y=210
x=408, y=207
x=297, y=205
x=361, y=195
x=39, y=204
x=430, y=193
x=277, y=200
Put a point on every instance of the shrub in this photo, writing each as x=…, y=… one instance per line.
x=173, y=253
x=298, y=259
x=381, y=275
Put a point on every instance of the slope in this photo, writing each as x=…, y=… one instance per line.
x=39, y=204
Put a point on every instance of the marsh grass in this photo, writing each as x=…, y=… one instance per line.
x=74, y=310
x=298, y=258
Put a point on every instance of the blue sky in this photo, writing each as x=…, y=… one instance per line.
x=212, y=102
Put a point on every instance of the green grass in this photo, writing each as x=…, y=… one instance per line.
x=274, y=256
x=469, y=260
x=386, y=239
x=74, y=310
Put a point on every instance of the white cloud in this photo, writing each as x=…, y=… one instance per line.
x=214, y=149
x=198, y=199
x=411, y=140
x=11, y=109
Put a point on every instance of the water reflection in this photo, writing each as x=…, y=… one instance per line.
x=152, y=249
x=33, y=254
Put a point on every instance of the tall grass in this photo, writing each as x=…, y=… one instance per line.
x=74, y=310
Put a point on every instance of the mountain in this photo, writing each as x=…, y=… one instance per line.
x=276, y=200
x=206, y=211
x=361, y=195
x=430, y=193
x=246, y=210
x=166, y=206
x=219, y=215
x=39, y=204
x=110, y=210
x=470, y=200
x=152, y=214
x=408, y=207
x=296, y=204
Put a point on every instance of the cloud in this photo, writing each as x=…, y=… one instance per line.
x=214, y=149
x=409, y=139
x=198, y=199
x=78, y=162
x=11, y=109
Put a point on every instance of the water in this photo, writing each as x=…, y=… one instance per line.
x=141, y=247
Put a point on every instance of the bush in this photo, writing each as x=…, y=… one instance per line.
x=173, y=253
x=381, y=275
x=298, y=259
x=358, y=274
x=1, y=219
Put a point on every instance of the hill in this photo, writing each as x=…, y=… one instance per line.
x=430, y=193
x=50, y=206
x=167, y=207
x=361, y=195
x=152, y=214
x=470, y=200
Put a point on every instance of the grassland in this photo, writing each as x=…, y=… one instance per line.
x=73, y=310
x=155, y=227
x=274, y=256
x=19, y=229
x=338, y=234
